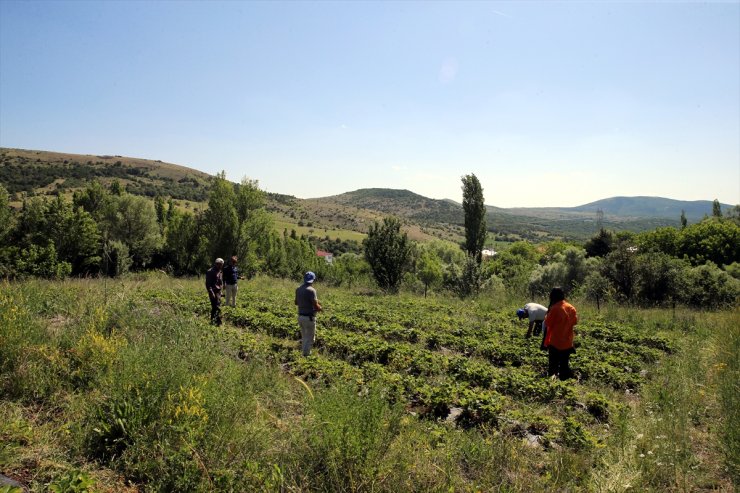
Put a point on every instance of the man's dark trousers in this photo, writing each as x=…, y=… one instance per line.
x=215, y=309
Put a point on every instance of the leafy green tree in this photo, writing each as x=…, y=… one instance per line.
x=711, y=240
x=733, y=269
x=568, y=269
x=41, y=261
x=513, y=266
x=465, y=280
x=596, y=287
x=186, y=248
x=116, y=188
x=475, y=216
x=600, y=245
x=252, y=223
x=351, y=267
x=94, y=199
x=221, y=219
x=684, y=221
x=116, y=258
x=710, y=287
x=620, y=267
x=71, y=230
x=734, y=214
x=716, y=208
x=160, y=211
x=429, y=270
x=300, y=256
x=133, y=221
x=551, y=249
x=388, y=252
x=665, y=240
x=660, y=278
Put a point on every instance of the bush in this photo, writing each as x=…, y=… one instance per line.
x=347, y=438
x=710, y=287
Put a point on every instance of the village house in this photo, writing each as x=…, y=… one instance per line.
x=326, y=255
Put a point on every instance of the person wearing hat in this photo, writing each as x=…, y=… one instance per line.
x=308, y=305
x=536, y=314
x=214, y=284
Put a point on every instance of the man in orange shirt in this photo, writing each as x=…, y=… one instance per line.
x=560, y=320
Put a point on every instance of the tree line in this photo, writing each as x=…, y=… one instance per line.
x=107, y=231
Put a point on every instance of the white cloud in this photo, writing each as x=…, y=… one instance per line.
x=448, y=71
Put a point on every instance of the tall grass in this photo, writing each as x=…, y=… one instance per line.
x=131, y=391
x=727, y=375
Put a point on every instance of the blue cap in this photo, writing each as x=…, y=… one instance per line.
x=521, y=313
x=309, y=277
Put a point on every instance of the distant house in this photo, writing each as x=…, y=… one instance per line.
x=488, y=253
x=327, y=256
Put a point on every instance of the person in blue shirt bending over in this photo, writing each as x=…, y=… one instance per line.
x=231, y=276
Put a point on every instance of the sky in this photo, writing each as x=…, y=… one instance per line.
x=547, y=103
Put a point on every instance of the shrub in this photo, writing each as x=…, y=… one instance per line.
x=347, y=438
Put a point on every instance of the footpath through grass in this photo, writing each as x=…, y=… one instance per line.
x=125, y=386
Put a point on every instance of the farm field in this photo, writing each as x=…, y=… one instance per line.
x=125, y=385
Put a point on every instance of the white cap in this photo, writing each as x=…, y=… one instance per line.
x=219, y=260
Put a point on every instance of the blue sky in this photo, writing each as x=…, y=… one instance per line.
x=548, y=103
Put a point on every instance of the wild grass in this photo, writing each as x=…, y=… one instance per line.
x=99, y=381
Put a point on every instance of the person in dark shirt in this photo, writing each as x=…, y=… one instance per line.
x=214, y=285
x=308, y=305
x=231, y=277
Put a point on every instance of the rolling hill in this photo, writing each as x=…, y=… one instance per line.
x=44, y=172
x=344, y=216
x=620, y=213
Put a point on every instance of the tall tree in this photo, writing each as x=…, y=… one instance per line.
x=475, y=216
x=716, y=208
x=221, y=218
x=388, y=252
x=249, y=203
x=684, y=221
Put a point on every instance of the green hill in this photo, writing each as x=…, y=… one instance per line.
x=344, y=216
x=534, y=224
x=44, y=172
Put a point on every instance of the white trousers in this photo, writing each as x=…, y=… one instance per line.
x=308, y=333
x=231, y=290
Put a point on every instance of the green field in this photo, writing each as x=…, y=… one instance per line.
x=341, y=234
x=124, y=384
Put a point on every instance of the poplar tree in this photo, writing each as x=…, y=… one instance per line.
x=716, y=208
x=475, y=216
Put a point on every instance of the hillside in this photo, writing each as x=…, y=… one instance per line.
x=344, y=216
x=43, y=172
x=534, y=224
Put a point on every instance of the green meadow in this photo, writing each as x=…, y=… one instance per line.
x=123, y=385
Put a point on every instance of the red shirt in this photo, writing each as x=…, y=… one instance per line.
x=560, y=319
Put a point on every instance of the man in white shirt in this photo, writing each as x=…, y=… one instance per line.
x=536, y=314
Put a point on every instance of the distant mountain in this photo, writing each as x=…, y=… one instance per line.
x=534, y=223
x=650, y=207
